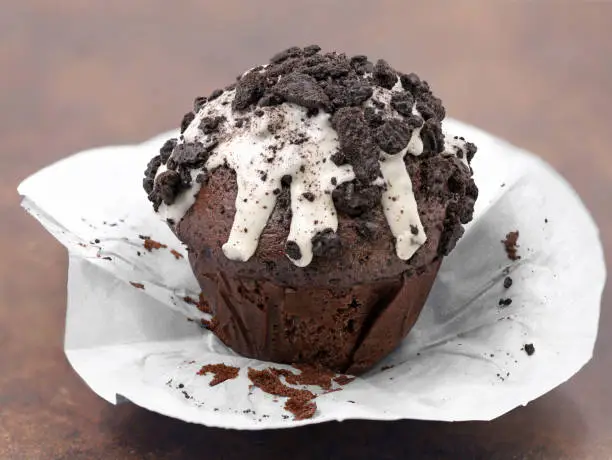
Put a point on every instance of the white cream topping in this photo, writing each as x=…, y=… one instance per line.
x=398, y=201
x=284, y=141
x=456, y=146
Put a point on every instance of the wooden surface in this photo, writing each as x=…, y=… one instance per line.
x=94, y=73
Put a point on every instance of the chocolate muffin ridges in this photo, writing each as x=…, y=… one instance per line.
x=335, y=130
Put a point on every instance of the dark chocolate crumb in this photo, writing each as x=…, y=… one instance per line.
x=301, y=89
x=187, y=119
x=199, y=103
x=209, y=125
x=326, y=244
x=507, y=282
x=215, y=94
x=293, y=250
x=402, y=102
x=308, y=196
x=414, y=230
x=504, y=302
x=286, y=180
x=393, y=136
x=249, y=90
x=137, y=285
x=384, y=75
x=529, y=349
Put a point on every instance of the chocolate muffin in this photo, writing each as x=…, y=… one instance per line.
x=317, y=196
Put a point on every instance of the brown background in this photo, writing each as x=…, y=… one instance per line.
x=80, y=75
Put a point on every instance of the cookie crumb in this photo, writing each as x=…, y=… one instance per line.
x=507, y=282
x=137, y=285
x=177, y=255
x=504, y=302
x=529, y=349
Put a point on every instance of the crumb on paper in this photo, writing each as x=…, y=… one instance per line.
x=203, y=305
x=504, y=302
x=344, y=379
x=300, y=402
x=529, y=349
x=177, y=255
x=189, y=300
x=384, y=368
x=222, y=372
x=137, y=285
x=507, y=282
x=511, y=246
x=150, y=244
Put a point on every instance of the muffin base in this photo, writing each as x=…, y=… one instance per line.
x=346, y=329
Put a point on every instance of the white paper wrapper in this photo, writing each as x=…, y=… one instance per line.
x=464, y=359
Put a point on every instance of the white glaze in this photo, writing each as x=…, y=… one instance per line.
x=453, y=146
x=246, y=150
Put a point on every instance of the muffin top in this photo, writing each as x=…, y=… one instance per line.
x=324, y=137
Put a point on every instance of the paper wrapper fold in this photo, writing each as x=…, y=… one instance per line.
x=464, y=359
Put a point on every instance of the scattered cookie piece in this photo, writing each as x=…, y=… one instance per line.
x=529, y=349
x=137, y=285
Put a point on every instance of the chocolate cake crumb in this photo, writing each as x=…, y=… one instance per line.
x=177, y=255
x=137, y=285
x=507, y=282
x=505, y=302
x=203, y=305
x=222, y=372
x=300, y=401
x=190, y=300
x=150, y=244
x=511, y=246
x=309, y=375
x=301, y=407
x=343, y=379
x=293, y=250
x=529, y=349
